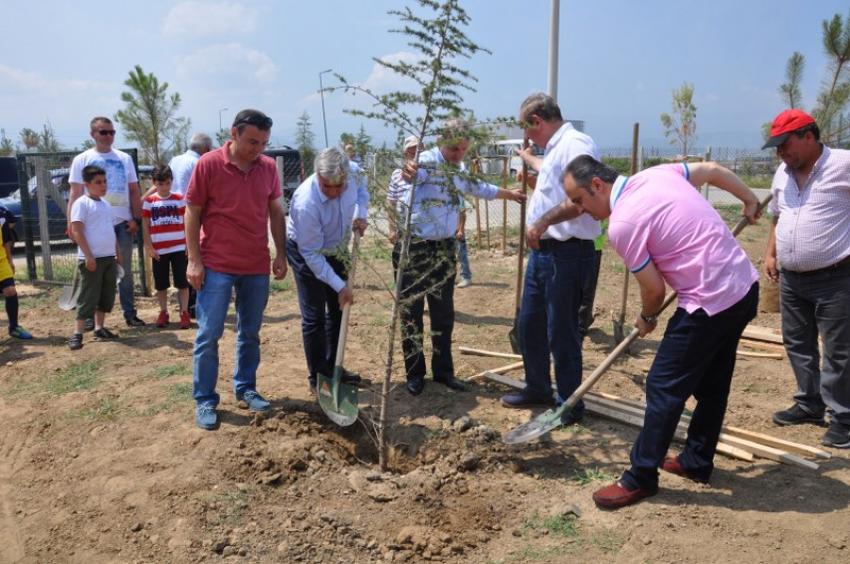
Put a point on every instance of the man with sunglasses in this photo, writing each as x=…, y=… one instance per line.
x=233, y=199
x=441, y=181
x=324, y=210
x=123, y=194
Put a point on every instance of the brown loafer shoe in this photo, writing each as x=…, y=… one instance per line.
x=616, y=496
x=671, y=464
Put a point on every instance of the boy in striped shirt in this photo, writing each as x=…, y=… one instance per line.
x=165, y=241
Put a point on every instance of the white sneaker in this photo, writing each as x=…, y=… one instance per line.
x=464, y=282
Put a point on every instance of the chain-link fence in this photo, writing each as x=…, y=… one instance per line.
x=41, y=203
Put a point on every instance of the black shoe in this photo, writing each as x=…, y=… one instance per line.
x=572, y=417
x=796, y=415
x=415, y=385
x=88, y=325
x=451, y=382
x=134, y=321
x=837, y=436
x=524, y=398
x=75, y=341
x=104, y=334
x=350, y=377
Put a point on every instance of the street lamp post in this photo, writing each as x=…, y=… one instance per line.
x=322, y=94
x=219, y=117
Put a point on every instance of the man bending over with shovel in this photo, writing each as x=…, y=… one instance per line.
x=323, y=212
x=666, y=232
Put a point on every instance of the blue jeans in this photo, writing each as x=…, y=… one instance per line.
x=463, y=259
x=125, y=287
x=252, y=293
x=320, y=312
x=548, y=319
x=815, y=303
x=695, y=358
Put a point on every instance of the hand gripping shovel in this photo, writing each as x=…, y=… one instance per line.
x=551, y=419
x=337, y=399
x=513, y=334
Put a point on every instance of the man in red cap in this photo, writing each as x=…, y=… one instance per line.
x=808, y=253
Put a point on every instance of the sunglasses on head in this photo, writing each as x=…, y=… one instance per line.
x=262, y=122
x=106, y=131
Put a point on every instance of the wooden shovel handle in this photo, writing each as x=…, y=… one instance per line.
x=346, y=309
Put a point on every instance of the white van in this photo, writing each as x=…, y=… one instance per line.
x=492, y=156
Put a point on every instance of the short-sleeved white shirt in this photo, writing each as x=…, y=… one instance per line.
x=120, y=173
x=96, y=217
x=567, y=144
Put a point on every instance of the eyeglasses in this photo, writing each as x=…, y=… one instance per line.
x=259, y=121
x=106, y=131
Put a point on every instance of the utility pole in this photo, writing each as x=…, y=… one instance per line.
x=322, y=94
x=553, y=49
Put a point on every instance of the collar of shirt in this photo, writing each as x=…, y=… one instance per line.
x=617, y=189
x=567, y=126
x=224, y=153
x=824, y=156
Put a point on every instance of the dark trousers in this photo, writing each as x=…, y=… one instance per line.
x=548, y=319
x=429, y=275
x=696, y=358
x=320, y=312
x=585, y=310
x=811, y=304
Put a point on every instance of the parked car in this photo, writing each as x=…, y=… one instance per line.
x=293, y=170
x=493, y=155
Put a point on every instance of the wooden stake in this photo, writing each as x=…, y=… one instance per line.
x=481, y=352
x=499, y=370
x=752, y=354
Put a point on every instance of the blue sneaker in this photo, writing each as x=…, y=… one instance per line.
x=206, y=417
x=20, y=333
x=253, y=401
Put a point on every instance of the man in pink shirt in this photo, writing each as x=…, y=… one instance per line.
x=667, y=233
x=233, y=195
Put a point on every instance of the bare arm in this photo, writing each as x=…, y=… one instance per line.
x=652, y=289
x=770, y=266
x=73, y=194
x=195, y=267
x=146, y=234
x=528, y=156
x=725, y=179
x=277, y=217
x=562, y=212
x=78, y=230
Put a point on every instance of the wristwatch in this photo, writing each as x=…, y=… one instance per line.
x=649, y=319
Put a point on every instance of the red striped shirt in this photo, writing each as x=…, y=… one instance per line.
x=168, y=234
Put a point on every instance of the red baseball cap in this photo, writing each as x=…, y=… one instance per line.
x=785, y=124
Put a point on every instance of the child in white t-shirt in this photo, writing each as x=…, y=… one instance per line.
x=98, y=257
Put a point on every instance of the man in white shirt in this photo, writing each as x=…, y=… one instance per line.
x=182, y=165
x=560, y=260
x=122, y=193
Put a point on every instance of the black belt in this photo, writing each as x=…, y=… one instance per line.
x=840, y=264
x=546, y=244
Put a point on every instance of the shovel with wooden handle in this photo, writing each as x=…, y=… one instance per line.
x=619, y=323
x=552, y=418
x=513, y=334
x=336, y=398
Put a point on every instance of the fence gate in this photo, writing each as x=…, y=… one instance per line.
x=43, y=194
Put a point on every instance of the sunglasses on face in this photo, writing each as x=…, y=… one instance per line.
x=106, y=131
x=261, y=122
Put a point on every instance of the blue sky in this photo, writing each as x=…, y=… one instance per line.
x=619, y=60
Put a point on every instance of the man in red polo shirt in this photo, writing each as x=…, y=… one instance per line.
x=233, y=194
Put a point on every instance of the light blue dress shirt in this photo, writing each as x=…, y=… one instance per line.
x=321, y=225
x=182, y=167
x=436, y=201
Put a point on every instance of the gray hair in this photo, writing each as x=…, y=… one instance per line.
x=331, y=163
x=201, y=143
x=454, y=129
x=541, y=105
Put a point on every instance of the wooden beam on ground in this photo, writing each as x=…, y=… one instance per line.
x=760, y=334
x=754, y=344
x=497, y=371
x=481, y=352
x=631, y=419
x=751, y=354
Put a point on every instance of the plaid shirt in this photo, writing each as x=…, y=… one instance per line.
x=813, y=227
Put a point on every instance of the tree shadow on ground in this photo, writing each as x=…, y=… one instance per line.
x=15, y=351
x=471, y=319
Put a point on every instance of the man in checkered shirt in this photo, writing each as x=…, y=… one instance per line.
x=808, y=253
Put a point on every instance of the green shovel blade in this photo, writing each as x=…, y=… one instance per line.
x=537, y=427
x=337, y=399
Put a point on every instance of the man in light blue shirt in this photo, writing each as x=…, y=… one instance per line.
x=182, y=165
x=441, y=181
x=324, y=210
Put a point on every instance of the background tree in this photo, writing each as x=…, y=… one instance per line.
x=150, y=116
x=47, y=142
x=29, y=137
x=222, y=136
x=790, y=91
x=835, y=92
x=681, y=127
x=304, y=139
x=7, y=148
x=86, y=144
x=363, y=144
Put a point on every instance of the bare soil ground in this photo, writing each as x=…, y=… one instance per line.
x=100, y=460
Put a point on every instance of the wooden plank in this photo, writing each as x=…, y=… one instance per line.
x=756, y=335
x=635, y=420
x=768, y=440
x=482, y=352
x=751, y=354
x=497, y=371
x=754, y=344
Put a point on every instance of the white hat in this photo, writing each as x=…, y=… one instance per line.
x=411, y=141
